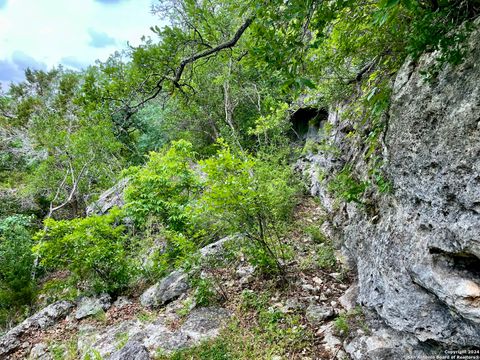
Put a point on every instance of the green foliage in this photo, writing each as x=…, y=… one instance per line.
x=94, y=250
x=347, y=322
x=326, y=256
x=251, y=300
x=341, y=325
x=87, y=125
x=250, y=195
x=178, y=251
x=316, y=234
x=163, y=187
x=211, y=350
x=76, y=151
x=17, y=289
x=204, y=291
x=346, y=187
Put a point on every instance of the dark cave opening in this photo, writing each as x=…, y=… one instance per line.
x=306, y=122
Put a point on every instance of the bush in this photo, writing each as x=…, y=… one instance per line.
x=93, y=249
x=163, y=187
x=346, y=187
x=17, y=289
x=250, y=195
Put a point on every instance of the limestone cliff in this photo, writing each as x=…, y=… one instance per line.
x=417, y=255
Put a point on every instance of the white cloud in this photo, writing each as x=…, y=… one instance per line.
x=99, y=39
x=75, y=33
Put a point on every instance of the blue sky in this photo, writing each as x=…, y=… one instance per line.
x=43, y=33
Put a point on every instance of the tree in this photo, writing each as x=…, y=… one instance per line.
x=80, y=151
x=17, y=290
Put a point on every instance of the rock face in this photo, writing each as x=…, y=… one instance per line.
x=168, y=289
x=88, y=306
x=109, y=199
x=133, y=350
x=217, y=248
x=48, y=316
x=417, y=254
x=146, y=339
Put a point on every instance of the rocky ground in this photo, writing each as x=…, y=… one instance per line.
x=306, y=313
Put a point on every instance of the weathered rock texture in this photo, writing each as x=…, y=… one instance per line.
x=109, y=199
x=150, y=338
x=88, y=306
x=168, y=289
x=417, y=254
x=12, y=340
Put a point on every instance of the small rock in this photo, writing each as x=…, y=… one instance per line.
x=308, y=287
x=88, y=306
x=317, y=313
x=332, y=343
x=122, y=301
x=168, y=289
x=293, y=304
x=133, y=350
x=336, y=276
x=216, y=248
x=349, y=299
x=40, y=352
x=246, y=270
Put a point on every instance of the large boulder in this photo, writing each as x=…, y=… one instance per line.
x=204, y=323
x=417, y=250
x=43, y=319
x=109, y=199
x=88, y=306
x=135, y=338
x=168, y=289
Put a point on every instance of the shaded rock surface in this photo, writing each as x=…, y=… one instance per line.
x=109, y=199
x=168, y=289
x=417, y=250
x=317, y=313
x=133, y=350
x=349, y=299
x=48, y=316
x=40, y=352
x=217, y=248
x=88, y=306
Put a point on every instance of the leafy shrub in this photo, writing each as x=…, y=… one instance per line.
x=346, y=187
x=163, y=187
x=179, y=248
x=17, y=289
x=205, y=293
x=250, y=195
x=93, y=249
x=341, y=325
x=316, y=234
x=326, y=256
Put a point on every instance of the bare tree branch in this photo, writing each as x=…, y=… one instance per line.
x=175, y=80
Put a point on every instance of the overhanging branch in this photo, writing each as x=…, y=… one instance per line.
x=175, y=80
